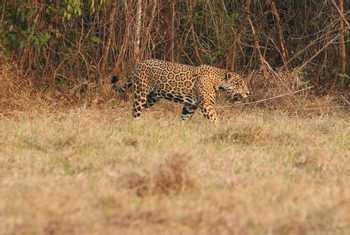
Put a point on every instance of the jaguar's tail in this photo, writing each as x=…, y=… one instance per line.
x=120, y=90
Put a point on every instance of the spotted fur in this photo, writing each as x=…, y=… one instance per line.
x=194, y=86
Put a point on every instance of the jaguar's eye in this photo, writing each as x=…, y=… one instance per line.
x=227, y=76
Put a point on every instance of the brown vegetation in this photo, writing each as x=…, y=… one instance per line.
x=16, y=94
x=72, y=42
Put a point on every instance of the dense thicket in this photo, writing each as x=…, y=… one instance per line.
x=70, y=40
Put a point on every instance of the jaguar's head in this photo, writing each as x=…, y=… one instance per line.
x=234, y=86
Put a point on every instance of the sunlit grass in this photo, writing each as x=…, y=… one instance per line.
x=100, y=172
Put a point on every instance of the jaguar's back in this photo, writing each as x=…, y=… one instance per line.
x=166, y=77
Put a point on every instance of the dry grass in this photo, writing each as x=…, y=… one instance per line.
x=22, y=93
x=15, y=94
x=301, y=100
x=96, y=171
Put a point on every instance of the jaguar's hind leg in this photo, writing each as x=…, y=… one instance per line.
x=152, y=98
x=188, y=109
x=140, y=99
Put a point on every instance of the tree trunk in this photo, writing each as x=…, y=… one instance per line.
x=138, y=31
x=172, y=31
x=342, y=46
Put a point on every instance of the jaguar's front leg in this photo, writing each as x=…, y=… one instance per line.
x=208, y=111
x=206, y=97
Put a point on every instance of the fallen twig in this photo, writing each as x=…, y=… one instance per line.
x=345, y=100
x=274, y=97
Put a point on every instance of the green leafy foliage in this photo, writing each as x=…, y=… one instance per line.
x=73, y=8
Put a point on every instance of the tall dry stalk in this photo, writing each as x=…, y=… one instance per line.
x=263, y=62
x=342, y=45
x=111, y=34
x=138, y=31
x=195, y=43
x=149, y=24
x=282, y=43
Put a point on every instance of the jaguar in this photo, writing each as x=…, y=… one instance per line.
x=194, y=86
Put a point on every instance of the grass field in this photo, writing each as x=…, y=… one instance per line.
x=97, y=171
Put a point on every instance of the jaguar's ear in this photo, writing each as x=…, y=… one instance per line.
x=227, y=76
